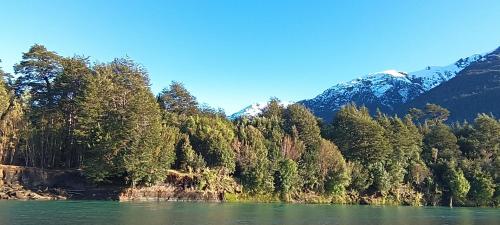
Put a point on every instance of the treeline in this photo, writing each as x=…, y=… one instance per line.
x=65, y=112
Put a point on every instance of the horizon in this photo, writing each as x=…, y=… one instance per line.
x=232, y=55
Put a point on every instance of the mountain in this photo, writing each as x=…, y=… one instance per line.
x=394, y=91
x=476, y=89
x=387, y=90
x=254, y=110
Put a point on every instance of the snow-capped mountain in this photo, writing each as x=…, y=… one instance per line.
x=384, y=90
x=475, y=90
x=254, y=110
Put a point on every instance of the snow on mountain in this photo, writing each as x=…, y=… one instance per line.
x=432, y=76
x=254, y=110
x=384, y=90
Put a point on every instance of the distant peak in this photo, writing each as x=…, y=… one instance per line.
x=256, y=109
x=393, y=73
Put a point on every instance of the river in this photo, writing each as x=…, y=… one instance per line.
x=193, y=213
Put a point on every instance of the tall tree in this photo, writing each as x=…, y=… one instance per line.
x=299, y=118
x=359, y=137
x=457, y=184
x=177, y=99
x=37, y=71
x=333, y=169
x=121, y=124
x=212, y=137
x=12, y=122
x=256, y=170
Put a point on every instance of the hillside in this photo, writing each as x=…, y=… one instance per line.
x=474, y=90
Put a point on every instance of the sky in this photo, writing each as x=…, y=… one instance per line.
x=233, y=53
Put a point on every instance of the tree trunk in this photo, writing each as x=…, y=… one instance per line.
x=451, y=202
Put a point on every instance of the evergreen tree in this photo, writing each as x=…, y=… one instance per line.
x=359, y=137
x=457, y=184
x=37, y=71
x=286, y=178
x=436, y=113
x=177, y=99
x=440, y=144
x=187, y=158
x=333, y=169
x=12, y=123
x=273, y=109
x=482, y=188
x=212, y=137
x=120, y=122
x=299, y=118
x=256, y=170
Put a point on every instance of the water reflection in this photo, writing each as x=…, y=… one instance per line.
x=189, y=213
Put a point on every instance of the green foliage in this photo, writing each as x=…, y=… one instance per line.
x=256, y=173
x=12, y=124
x=361, y=178
x=274, y=109
x=187, y=158
x=381, y=178
x=177, y=99
x=298, y=117
x=436, y=113
x=213, y=137
x=482, y=188
x=65, y=112
x=457, y=184
x=333, y=169
x=300, y=122
x=359, y=137
x=440, y=144
x=121, y=123
x=286, y=178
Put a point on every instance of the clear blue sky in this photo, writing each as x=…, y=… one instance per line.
x=236, y=52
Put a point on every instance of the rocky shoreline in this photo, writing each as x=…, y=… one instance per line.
x=28, y=183
x=18, y=192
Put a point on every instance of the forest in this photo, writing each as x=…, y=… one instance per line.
x=60, y=112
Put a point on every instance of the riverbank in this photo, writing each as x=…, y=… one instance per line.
x=28, y=183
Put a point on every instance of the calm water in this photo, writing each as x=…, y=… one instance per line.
x=187, y=213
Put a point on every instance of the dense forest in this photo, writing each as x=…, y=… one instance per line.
x=66, y=112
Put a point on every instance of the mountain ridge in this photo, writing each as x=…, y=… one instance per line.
x=387, y=90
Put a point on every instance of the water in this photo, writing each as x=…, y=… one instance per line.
x=190, y=213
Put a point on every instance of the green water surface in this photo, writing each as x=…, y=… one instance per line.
x=193, y=213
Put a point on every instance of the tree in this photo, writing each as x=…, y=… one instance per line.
x=440, y=144
x=256, y=170
x=275, y=140
x=361, y=178
x=485, y=138
x=406, y=144
x=120, y=123
x=187, y=158
x=37, y=72
x=436, y=113
x=177, y=99
x=457, y=184
x=38, y=68
x=299, y=118
x=482, y=188
x=274, y=108
x=212, y=137
x=333, y=168
x=67, y=88
x=359, y=137
x=12, y=123
x=286, y=178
